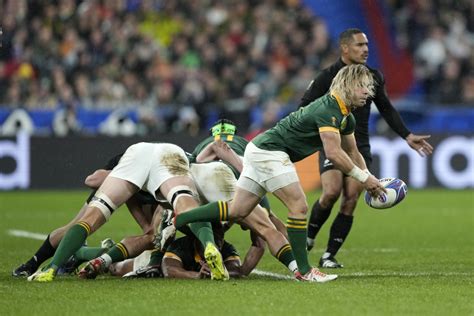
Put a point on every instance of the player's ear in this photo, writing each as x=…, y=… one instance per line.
x=344, y=48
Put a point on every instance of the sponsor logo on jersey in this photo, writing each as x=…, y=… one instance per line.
x=327, y=163
x=344, y=123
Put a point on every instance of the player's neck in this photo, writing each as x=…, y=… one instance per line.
x=347, y=61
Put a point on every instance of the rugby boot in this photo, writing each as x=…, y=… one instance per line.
x=215, y=263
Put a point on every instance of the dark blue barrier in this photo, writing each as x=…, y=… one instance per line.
x=63, y=163
x=432, y=120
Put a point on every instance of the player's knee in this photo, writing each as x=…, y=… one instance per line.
x=148, y=229
x=237, y=216
x=177, y=192
x=299, y=208
x=105, y=205
x=329, y=196
x=348, y=204
x=148, y=240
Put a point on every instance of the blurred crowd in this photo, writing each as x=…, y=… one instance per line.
x=183, y=63
x=440, y=36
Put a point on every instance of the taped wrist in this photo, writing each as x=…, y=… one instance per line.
x=359, y=174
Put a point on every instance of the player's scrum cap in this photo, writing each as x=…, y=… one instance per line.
x=223, y=126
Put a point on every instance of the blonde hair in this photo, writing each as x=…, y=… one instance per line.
x=349, y=78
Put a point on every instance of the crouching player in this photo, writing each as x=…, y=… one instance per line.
x=140, y=205
x=184, y=259
x=155, y=168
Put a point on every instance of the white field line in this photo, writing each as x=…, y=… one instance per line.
x=271, y=274
x=370, y=274
x=26, y=234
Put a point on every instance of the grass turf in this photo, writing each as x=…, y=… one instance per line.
x=417, y=258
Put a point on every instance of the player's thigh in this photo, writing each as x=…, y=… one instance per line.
x=215, y=181
x=292, y=195
x=332, y=182
x=352, y=188
x=170, y=166
x=258, y=219
x=243, y=203
x=180, y=192
x=117, y=190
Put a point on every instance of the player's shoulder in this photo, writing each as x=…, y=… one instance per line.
x=378, y=75
x=241, y=139
x=321, y=104
x=330, y=72
x=229, y=250
x=180, y=244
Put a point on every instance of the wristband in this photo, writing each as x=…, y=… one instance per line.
x=358, y=174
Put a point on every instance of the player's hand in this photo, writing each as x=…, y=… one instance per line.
x=419, y=143
x=222, y=145
x=205, y=272
x=373, y=186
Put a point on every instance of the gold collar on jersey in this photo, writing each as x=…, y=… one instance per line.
x=341, y=104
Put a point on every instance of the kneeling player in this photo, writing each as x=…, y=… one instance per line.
x=156, y=168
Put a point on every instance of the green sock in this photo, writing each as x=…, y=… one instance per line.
x=156, y=257
x=211, y=212
x=285, y=256
x=297, y=235
x=71, y=242
x=118, y=252
x=203, y=232
x=89, y=253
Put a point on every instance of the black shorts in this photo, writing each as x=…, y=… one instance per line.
x=325, y=164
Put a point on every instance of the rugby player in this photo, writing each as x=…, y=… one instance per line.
x=141, y=206
x=216, y=181
x=354, y=50
x=326, y=124
x=183, y=259
x=155, y=168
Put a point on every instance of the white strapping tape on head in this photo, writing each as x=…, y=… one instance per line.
x=104, y=204
x=175, y=193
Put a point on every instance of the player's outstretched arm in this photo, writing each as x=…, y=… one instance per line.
x=95, y=179
x=254, y=254
x=173, y=268
x=419, y=143
x=219, y=149
x=342, y=161
x=233, y=267
x=349, y=145
x=207, y=154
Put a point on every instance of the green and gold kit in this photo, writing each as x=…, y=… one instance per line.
x=298, y=133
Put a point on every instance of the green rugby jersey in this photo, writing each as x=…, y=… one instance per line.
x=185, y=250
x=298, y=133
x=237, y=143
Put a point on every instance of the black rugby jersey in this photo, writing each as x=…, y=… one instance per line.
x=320, y=86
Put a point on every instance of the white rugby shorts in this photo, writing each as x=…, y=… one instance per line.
x=215, y=181
x=271, y=170
x=148, y=165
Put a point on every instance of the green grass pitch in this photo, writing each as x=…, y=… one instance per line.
x=416, y=258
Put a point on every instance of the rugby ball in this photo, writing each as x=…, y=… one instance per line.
x=396, y=192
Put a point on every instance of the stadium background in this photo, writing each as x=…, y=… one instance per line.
x=82, y=80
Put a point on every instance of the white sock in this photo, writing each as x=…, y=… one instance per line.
x=326, y=255
x=293, y=266
x=107, y=259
